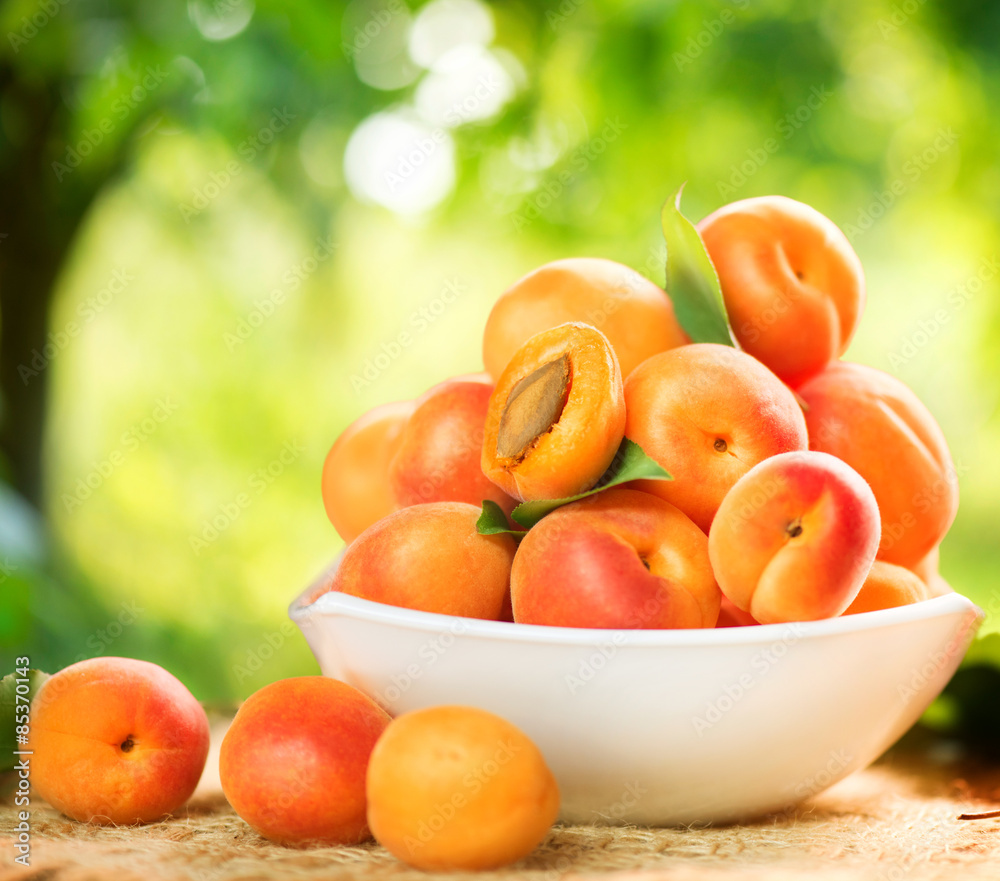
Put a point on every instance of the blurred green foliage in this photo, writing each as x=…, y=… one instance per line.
x=228, y=294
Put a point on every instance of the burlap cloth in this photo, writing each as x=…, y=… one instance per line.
x=896, y=820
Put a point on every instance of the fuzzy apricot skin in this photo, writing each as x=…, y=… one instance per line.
x=794, y=539
x=355, y=482
x=580, y=446
x=928, y=571
x=708, y=413
x=879, y=427
x=294, y=760
x=793, y=286
x=454, y=787
x=619, y=559
x=431, y=558
x=634, y=314
x=116, y=740
x=438, y=458
x=732, y=616
x=886, y=587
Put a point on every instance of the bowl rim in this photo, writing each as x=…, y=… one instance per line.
x=335, y=604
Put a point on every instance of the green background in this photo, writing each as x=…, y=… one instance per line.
x=201, y=362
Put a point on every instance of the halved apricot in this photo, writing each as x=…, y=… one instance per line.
x=556, y=416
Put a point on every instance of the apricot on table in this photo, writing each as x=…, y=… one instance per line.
x=294, y=760
x=708, y=413
x=430, y=557
x=438, y=458
x=116, y=740
x=635, y=314
x=793, y=286
x=556, y=416
x=454, y=787
x=618, y=559
x=879, y=427
x=355, y=483
x=795, y=538
x=886, y=587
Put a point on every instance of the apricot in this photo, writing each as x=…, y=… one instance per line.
x=355, y=483
x=879, y=427
x=116, y=740
x=937, y=586
x=634, y=314
x=438, y=457
x=928, y=571
x=795, y=538
x=793, y=286
x=731, y=616
x=294, y=760
x=431, y=558
x=459, y=788
x=618, y=559
x=886, y=587
x=708, y=413
x=927, y=567
x=556, y=416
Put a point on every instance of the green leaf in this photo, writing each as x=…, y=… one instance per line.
x=12, y=706
x=630, y=463
x=691, y=279
x=493, y=521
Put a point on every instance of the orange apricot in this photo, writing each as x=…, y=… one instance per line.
x=886, y=587
x=928, y=571
x=879, y=427
x=116, y=740
x=355, y=483
x=429, y=557
x=795, y=537
x=459, y=788
x=439, y=455
x=730, y=615
x=793, y=286
x=708, y=413
x=294, y=760
x=927, y=567
x=556, y=416
x=635, y=314
x=618, y=559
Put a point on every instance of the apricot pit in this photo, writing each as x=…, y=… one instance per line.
x=534, y=406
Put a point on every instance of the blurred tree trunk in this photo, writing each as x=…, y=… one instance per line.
x=37, y=221
x=25, y=292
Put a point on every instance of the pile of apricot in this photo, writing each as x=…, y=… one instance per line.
x=802, y=486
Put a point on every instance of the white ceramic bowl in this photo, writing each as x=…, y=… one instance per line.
x=662, y=727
